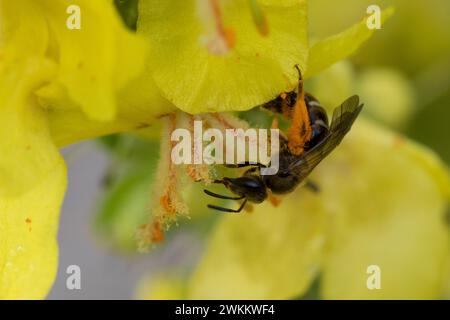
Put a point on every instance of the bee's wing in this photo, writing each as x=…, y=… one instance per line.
x=343, y=118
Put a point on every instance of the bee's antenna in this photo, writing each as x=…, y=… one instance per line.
x=299, y=72
x=215, y=195
x=300, y=80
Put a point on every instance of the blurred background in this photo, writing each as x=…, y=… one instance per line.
x=403, y=73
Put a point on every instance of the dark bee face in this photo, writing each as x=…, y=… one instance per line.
x=282, y=182
x=250, y=186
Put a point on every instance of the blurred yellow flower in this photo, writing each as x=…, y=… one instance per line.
x=55, y=84
x=399, y=98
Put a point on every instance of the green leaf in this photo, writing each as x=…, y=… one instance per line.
x=124, y=209
x=254, y=70
x=127, y=199
x=328, y=51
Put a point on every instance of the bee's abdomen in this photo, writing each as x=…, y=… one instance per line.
x=317, y=114
x=319, y=121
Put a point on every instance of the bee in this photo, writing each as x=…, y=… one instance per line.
x=310, y=138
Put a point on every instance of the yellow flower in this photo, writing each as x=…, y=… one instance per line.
x=57, y=86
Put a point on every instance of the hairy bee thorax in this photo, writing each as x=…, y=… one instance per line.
x=309, y=121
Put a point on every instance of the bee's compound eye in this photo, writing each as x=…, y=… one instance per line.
x=251, y=187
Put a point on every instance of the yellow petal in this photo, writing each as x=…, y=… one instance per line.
x=99, y=59
x=32, y=173
x=103, y=47
x=27, y=152
x=330, y=50
x=271, y=253
x=23, y=32
x=32, y=183
x=197, y=67
x=28, y=234
x=139, y=106
x=386, y=199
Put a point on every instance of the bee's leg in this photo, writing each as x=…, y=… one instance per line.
x=228, y=209
x=312, y=186
x=215, y=195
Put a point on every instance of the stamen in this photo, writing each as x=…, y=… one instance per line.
x=197, y=172
x=224, y=38
x=227, y=121
x=224, y=121
x=168, y=202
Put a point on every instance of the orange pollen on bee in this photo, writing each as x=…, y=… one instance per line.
x=300, y=130
x=275, y=201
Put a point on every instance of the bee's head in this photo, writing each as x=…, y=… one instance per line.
x=252, y=187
